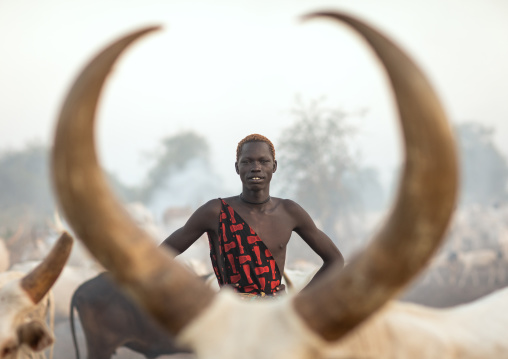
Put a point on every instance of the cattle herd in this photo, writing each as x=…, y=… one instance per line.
x=124, y=293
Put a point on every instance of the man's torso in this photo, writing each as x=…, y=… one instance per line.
x=271, y=224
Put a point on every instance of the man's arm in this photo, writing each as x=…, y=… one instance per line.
x=317, y=240
x=204, y=219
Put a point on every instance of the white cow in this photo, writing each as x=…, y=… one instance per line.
x=25, y=302
x=347, y=313
x=398, y=331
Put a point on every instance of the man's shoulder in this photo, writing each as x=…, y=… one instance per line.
x=213, y=204
x=289, y=205
x=210, y=208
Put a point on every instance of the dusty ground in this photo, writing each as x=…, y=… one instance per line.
x=64, y=347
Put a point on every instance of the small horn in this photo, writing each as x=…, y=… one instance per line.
x=419, y=219
x=39, y=281
x=172, y=294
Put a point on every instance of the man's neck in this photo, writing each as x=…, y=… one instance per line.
x=256, y=201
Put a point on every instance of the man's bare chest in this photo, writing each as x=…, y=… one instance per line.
x=274, y=229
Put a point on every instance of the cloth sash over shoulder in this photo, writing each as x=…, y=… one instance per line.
x=246, y=261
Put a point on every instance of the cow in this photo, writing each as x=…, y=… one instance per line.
x=347, y=313
x=25, y=300
x=110, y=319
x=474, y=261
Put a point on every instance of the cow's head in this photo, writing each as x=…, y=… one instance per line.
x=220, y=325
x=22, y=316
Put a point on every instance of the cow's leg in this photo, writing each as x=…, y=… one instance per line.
x=101, y=341
x=99, y=353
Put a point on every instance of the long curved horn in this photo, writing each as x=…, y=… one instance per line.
x=40, y=280
x=172, y=294
x=425, y=201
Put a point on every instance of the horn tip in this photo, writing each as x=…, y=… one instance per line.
x=66, y=239
x=316, y=14
x=151, y=28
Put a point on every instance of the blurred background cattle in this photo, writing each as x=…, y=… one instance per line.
x=472, y=262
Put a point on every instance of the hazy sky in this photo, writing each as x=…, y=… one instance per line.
x=227, y=68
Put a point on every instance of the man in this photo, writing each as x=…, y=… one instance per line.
x=249, y=233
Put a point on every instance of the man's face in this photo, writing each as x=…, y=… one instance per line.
x=255, y=165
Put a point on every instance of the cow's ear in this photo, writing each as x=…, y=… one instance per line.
x=35, y=335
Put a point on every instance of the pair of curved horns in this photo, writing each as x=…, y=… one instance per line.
x=342, y=299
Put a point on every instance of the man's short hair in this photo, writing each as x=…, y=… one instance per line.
x=254, y=138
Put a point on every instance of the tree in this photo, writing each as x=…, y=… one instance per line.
x=318, y=169
x=25, y=187
x=25, y=183
x=27, y=196
x=484, y=171
x=173, y=156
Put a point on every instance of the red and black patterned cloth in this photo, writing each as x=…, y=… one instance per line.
x=246, y=261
